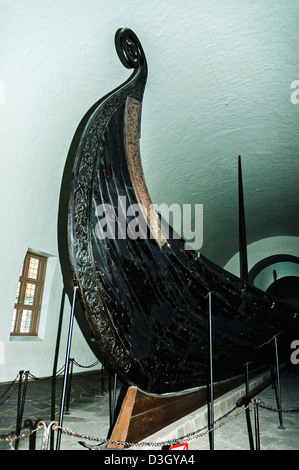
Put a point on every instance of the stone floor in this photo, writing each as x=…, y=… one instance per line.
x=234, y=435
x=91, y=407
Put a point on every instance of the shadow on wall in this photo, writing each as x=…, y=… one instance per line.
x=278, y=275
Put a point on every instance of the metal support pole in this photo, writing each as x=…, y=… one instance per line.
x=21, y=405
x=66, y=368
x=18, y=408
x=110, y=400
x=46, y=433
x=114, y=397
x=211, y=421
x=69, y=385
x=102, y=378
x=242, y=226
x=32, y=438
x=273, y=386
x=277, y=387
x=257, y=426
x=247, y=411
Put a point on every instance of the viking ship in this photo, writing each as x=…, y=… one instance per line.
x=148, y=299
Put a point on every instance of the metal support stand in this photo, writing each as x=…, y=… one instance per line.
x=32, y=438
x=102, y=378
x=277, y=387
x=114, y=397
x=46, y=433
x=257, y=426
x=69, y=384
x=112, y=405
x=211, y=414
x=66, y=368
x=20, y=405
x=18, y=408
x=247, y=411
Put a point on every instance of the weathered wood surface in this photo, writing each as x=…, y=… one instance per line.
x=142, y=415
x=146, y=299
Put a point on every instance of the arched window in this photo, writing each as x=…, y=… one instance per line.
x=27, y=307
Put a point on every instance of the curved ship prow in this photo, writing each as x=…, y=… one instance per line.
x=146, y=297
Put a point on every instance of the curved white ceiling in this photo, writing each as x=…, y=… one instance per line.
x=225, y=90
x=219, y=85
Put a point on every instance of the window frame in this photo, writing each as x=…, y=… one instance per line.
x=20, y=305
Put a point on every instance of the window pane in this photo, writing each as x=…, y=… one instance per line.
x=18, y=292
x=26, y=321
x=33, y=269
x=30, y=294
x=14, y=316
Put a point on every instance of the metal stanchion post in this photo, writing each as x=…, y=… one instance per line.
x=277, y=387
x=247, y=411
x=69, y=385
x=211, y=421
x=32, y=438
x=21, y=405
x=18, y=408
x=66, y=368
x=102, y=379
x=257, y=426
x=46, y=433
x=114, y=398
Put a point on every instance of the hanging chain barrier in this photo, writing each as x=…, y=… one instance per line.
x=53, y=425
x=14, y=385
x=272, y=408
x=19, y=385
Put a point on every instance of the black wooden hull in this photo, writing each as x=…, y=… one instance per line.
x=146, y=300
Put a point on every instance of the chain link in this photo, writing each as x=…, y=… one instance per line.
x=9, y=395
x=272, y=408
x=185, y=438
x=31, y=376
x=15, y=438
x=7, y=390
x=101, y=440
x=85, y=367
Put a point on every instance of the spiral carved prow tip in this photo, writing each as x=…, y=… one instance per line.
x=128, y=48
